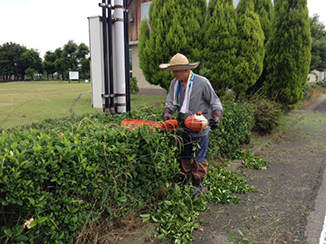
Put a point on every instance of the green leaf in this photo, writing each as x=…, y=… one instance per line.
x=155, y=219
x=75, y=210
x=8, y=232
x=21, y=238
x=145, y=217
x=41, y=220
x=90, y=168
x=32, y=224
x=5, y=203
x=32, y=201
x=169, y=203
x=37, y=148
x=122, y=199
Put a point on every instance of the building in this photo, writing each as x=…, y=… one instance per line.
x=138, y=10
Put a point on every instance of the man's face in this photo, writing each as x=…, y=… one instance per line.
x=181, y=75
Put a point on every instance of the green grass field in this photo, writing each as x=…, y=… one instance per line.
x=24, y=103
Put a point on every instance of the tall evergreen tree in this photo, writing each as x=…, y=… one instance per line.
x=212, y=5
x=288, y=52
x=265, y=10
x=250, y=51
x=173, y=26
x=220, y=45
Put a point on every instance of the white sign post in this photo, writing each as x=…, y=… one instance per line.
x=73, y=75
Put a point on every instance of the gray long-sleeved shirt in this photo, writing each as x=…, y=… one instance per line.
x=202, y=99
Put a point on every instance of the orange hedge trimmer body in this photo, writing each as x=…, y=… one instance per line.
x=166, y=125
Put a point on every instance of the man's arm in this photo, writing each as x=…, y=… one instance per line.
x=170, y=108
x=216, y=107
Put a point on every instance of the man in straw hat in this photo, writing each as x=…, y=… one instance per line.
x=189, y=94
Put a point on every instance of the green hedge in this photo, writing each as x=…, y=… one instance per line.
x=61, y=178
x=74, y=173
x=234, y=131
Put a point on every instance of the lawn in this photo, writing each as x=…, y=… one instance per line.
x=28, y=102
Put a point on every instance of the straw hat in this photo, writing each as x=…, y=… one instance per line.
x=179, y=62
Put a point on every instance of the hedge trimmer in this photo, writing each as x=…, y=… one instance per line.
x=194, y=123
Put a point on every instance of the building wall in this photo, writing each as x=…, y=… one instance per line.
x=134, y=19
x=137, y=72
x=315, y=76
x=134, y=29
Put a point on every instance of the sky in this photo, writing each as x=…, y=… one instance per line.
x=46, y=25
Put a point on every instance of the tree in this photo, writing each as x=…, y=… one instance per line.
x=265, y=10
x=60, y=62
x=69, y=53
x=318, y=49
x=83, y=60
x=10, y=61
x=84, y=68
x=288, y=52
x=82, y=52
x=173, y=26
x=31, y=60
x=221, y=44
x=16, y=60
x=72, y=57
x=31, y=72
x=49, y=63
x=250, y=50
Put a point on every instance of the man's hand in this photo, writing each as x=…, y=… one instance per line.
x=167, y=114
x=214, y=122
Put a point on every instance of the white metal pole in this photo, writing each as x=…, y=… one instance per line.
x=120, y=84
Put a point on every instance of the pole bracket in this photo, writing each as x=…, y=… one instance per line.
x=107, y=95
x=105, y=5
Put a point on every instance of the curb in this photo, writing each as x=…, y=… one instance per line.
x=316, y=103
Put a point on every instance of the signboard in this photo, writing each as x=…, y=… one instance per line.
x=73, y=75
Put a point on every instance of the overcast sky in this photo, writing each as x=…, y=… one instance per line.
x=46, y=25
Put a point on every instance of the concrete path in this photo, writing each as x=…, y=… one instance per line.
x=153, y=92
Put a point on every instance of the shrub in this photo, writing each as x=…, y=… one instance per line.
x=321, y=83
x=235, y=129
x=67, y=179
x=134, y=89
x=266, y=115
x=72, y=174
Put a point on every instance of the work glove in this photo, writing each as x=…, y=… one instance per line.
x=167, y=114
x=214, y=122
